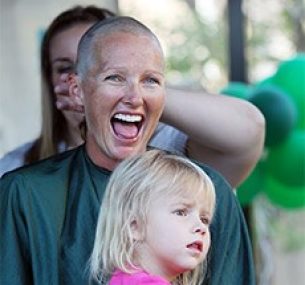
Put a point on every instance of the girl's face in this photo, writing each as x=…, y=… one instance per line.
x=177, y=236
x=63, y=52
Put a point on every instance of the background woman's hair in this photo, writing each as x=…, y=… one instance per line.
x=54, y=126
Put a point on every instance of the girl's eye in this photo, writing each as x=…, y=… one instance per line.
x=205, y=220
x=181, y=212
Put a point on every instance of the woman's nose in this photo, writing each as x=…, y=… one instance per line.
x=133, y=95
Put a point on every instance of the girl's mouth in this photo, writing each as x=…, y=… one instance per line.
x=197, y=245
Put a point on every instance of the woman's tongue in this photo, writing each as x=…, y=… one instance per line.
x=125, y=130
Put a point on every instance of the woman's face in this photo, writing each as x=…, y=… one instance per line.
x=63, y=52
x=123, y=93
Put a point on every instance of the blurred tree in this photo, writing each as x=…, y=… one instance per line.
x=275, y=32
x=295, y=20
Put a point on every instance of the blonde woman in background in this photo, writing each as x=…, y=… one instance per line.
x=60, y=128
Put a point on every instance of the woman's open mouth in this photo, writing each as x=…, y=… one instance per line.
x=127, y=126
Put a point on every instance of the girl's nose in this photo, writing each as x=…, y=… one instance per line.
x=200, y=230
x=200, y=227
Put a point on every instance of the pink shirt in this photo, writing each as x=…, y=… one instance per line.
x=122, y=278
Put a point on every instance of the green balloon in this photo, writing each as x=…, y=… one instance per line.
x=279, y=112
x=237, y=89
x=248, y=190
x=265, y=82
x=286, y=162
x=284, y=196
x=290, y=77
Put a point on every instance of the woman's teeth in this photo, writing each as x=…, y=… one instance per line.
x=128, y=118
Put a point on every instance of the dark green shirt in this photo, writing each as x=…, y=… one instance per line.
x=48, y=215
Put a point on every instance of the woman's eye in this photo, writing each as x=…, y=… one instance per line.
x=152, y=80
x=115, y=78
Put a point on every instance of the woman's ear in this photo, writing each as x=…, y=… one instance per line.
x=75, y=92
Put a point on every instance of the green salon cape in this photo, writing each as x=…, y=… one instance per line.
x=48, y=215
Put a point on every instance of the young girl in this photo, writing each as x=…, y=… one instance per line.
x=153, y=226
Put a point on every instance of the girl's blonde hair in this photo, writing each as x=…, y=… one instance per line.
x=132, y=186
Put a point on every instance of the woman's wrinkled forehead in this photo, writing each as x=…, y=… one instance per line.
x=139, y=44
x=100, y=32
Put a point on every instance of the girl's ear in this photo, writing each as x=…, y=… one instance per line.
x=137, y=230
